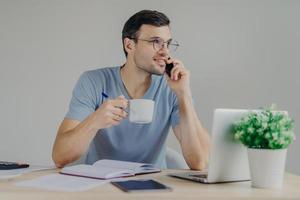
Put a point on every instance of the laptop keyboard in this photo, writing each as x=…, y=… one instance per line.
x=199, y=175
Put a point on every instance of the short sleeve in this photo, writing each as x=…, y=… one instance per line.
x=175, y=117
x=83, y=101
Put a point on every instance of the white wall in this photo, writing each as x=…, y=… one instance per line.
x=242, y=54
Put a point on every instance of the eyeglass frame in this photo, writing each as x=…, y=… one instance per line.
x=176, y=45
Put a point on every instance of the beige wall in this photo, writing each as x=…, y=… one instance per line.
x=242, y=54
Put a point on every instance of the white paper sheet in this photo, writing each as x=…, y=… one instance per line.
x=59, y=182
x=6, y=174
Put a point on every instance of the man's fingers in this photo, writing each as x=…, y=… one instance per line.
x=121, y=97
x=176, y=71
x=117, y=118
x=112, y=118
x=120, y=112
x=119, y=102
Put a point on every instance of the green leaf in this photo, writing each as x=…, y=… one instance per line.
x=265, y=129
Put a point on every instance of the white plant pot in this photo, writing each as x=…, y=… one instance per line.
x=267, y=167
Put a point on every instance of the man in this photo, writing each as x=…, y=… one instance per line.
x=98, y=124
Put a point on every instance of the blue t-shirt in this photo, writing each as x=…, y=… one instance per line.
x=127, y=141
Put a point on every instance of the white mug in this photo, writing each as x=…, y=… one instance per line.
x=141, y=110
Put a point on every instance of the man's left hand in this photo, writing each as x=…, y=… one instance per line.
x=179, y=81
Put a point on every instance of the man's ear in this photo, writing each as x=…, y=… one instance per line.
x=129, y=45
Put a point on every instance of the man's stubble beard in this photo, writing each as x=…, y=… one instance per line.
x=150, y=70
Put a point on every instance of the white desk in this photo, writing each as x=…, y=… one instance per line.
x=182, y=189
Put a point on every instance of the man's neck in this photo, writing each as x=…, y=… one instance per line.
x=135, y=80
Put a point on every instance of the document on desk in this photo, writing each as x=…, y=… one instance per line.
x=11, y=173
x=59, y=182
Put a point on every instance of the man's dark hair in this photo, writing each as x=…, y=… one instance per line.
x=134, y=23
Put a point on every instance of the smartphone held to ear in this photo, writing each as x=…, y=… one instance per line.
x=169, y=68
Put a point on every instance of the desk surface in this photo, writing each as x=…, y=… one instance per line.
x=182, y=189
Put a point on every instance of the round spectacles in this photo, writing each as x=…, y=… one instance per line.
x=159, y=44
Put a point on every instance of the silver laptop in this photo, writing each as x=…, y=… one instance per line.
x=228, y=160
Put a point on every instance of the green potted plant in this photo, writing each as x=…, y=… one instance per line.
x=267, y=134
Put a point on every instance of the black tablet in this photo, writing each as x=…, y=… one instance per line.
x=140, y=185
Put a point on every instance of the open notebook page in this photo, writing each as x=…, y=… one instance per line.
x=101, y=172
x=134, y=166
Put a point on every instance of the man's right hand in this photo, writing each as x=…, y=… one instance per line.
x=110, y=113
x=74, y=137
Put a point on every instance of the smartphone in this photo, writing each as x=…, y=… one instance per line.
x=140, y=186
x=169, y=68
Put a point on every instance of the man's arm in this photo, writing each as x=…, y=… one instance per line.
x=73, y=137
x=72, y=140
x=193, y=138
